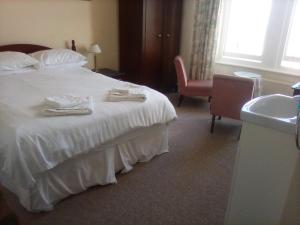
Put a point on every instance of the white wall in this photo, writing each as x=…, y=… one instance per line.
x=272, y=82
x=54, y=22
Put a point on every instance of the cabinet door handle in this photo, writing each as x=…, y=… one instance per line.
x=168, y=35
x=159, y=35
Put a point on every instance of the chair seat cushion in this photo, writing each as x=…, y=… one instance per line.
x=198, y=88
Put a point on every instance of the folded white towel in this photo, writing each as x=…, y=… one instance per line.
x=66, y=101
x=117, y=95
x=131, y=85
x=85, y=108
x=118, y=91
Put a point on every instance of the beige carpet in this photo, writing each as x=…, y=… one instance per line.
x=188, y=185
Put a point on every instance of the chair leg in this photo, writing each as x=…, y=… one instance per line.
x=209, y=98
x=181, y=97
x=212, y=123
x=219, y=117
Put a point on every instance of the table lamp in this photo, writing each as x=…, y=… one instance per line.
x=95, y=49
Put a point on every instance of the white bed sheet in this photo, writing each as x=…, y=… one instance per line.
x=12, y=72
x=97, y=167
x=31, y=144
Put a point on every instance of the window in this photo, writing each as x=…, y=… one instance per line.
x=292, y=52
x=264, y=34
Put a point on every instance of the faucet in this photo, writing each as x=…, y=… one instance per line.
x=297, y=98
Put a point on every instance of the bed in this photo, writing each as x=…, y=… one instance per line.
x=45, y=159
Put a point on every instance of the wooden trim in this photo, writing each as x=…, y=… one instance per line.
x=73, y=47
x=25, y=48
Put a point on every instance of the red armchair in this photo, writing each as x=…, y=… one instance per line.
x=190, y=88
x=229, y=94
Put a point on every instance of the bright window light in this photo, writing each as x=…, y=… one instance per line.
x=261, y=34
x=291, y=58
x=289, y=64
x=247, y=26
x=293, y=47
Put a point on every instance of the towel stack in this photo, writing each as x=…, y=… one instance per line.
x=68, y=105
x=117, y=95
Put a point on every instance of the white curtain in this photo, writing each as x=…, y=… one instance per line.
x=204, y=39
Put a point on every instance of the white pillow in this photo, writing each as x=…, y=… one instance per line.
x=19, y=71
x=55, y=57
x=15, y=61
x=67, y=65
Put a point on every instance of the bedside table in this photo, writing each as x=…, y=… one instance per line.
x=111, y=73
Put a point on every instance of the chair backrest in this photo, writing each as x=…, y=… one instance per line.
x=181, y=73
x=229, y=94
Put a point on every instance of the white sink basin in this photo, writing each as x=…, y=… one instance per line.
x=273, y=111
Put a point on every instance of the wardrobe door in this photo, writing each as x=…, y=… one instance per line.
x=131, y=38
x=171, y=43
x=152, y=43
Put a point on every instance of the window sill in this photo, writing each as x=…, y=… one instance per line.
x=292, y=74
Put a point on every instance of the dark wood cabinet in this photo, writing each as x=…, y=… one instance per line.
x=149, y=38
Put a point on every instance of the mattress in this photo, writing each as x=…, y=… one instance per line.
x=31, y=144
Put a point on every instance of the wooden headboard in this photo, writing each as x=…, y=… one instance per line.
x=28, y=48
x=25, y=48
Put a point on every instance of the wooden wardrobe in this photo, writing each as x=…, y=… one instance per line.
x=149, y=38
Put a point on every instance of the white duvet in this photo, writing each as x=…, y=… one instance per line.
x=31, y=144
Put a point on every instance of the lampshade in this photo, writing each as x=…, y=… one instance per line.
x=95, y=48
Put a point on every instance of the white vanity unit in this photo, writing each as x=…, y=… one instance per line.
x=266, y=183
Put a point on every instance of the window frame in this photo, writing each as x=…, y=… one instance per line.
x=275, y=44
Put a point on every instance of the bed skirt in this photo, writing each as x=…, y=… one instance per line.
x=98, y=167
